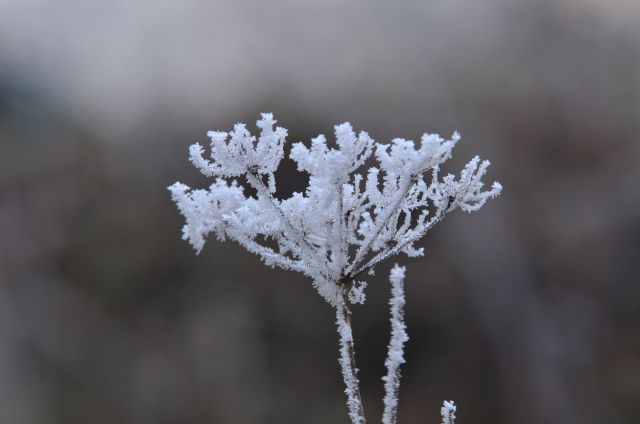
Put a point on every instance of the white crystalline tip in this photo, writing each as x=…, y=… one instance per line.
x=448, y=412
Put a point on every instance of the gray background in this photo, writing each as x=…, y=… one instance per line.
x=525, y=312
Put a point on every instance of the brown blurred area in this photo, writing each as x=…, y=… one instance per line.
x=525, y=312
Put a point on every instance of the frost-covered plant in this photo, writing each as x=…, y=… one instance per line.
x=349, y=219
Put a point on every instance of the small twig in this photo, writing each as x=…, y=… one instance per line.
x=395, y=353
x=257, y=182
x=366, y=246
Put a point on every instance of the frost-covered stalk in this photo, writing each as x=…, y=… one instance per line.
x=448, y=412
x=395, y=354
x=348, y=362
x=347, y=221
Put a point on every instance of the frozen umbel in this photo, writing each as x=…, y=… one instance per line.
x=350, y=218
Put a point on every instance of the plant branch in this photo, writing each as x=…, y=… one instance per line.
x=367, y=243
x=255, y=180
x=397, y=248
x=395, y=353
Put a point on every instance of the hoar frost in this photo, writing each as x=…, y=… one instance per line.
x=350, y=218
x=346, y=221
x=448, y=412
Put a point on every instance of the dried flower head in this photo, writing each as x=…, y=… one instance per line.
x=350, y=217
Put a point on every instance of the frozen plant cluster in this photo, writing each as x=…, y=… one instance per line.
x=346, y=221
x=365, y=202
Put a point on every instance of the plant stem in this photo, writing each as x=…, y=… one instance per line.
x=348, y=359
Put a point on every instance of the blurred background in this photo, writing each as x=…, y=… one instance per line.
x=525, y=312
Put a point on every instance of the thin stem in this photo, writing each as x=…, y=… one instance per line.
x=397, y=248
x=395, y=353
x=348, y=359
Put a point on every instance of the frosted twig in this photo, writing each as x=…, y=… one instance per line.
x=348, y=361
x=395, y=353
x=257, y=183
x=411, y=238
x=448, y=412
x=381, y=223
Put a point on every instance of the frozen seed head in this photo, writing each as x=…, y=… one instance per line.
x=348, y=219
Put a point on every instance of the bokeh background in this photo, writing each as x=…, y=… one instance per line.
x=525, y=312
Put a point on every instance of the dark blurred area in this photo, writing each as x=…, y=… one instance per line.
x=527, y=311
